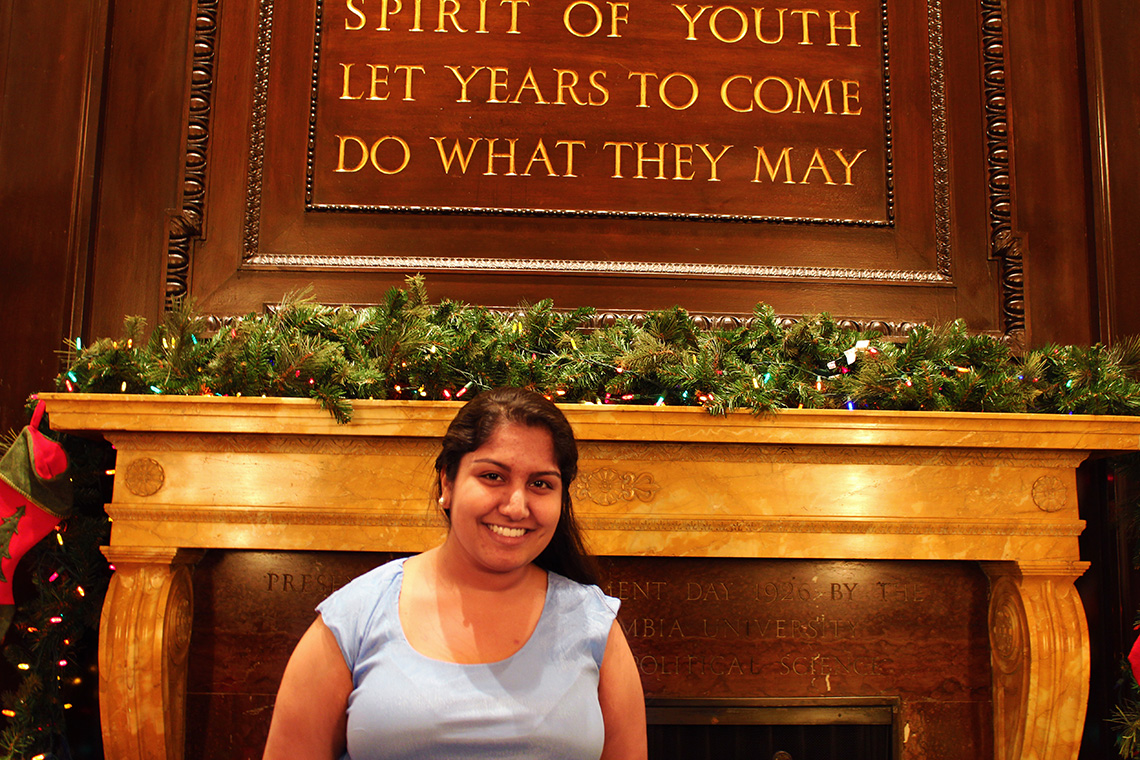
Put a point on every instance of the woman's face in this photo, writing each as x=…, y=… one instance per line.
x=505, y=500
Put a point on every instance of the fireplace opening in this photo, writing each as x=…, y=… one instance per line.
x=762, y=729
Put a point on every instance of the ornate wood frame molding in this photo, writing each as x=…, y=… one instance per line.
x=1006, y=246
x=189, y=224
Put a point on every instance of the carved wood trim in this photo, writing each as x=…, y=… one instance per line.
x=252, y=232
x=1005, y=245
x=940, y=149
x=188, y=224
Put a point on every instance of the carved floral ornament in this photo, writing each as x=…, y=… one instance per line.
x=607, y=486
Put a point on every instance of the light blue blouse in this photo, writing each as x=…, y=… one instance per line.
x=540, y=703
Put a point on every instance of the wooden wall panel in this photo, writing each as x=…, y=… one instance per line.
x=1049, y=154
x=51, y=65
x=1113, y=75
x=142, y=158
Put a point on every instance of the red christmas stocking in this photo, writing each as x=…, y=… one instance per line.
x=35, y=494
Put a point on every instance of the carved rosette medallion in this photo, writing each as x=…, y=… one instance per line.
x=1007, y=628
x=179, y=617
x=607, y=486
x=144, y=477
x=1049, y=493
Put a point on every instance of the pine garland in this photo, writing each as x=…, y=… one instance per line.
x=407, y=348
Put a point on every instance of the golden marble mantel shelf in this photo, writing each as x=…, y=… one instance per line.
x=196, y=473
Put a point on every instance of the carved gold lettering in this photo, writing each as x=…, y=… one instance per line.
x=713, y=161
x=847, y=170
x=350, y=6
x=463, y=82
x=540, y=154
x=528, y=83
x=694, y=91
x=849, y=27
x=408, y=69
x=452, y=153
x=642, y=160
x=643, y=89
x=685, y=160
x=616, y=16
x=448, y=9
x=598, y=87
x=447, y=157
x=759, y=12
x=731, y=24
x=724, y=92
x=597, y=14
x=509, y=155
x=850, y=93
x=714, y=27
x=514, y=27
x=345, y=94
x=785, y=160
x=377, y=79
x=406, y=155
x=617, y=146
x=384, y=12
x=344, y=141
x=452, y=16
x=816, y=164
x=684, y=9
x=619, y=14
x=497, y=84
x=758, y=94
x=823, y=93
x=804, y=17
x=642, y=76
x=565, y=86
x=570, y=145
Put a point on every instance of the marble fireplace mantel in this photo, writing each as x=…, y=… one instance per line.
x=197, y=473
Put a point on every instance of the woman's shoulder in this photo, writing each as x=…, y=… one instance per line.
x=571, y=593
x=371, y=585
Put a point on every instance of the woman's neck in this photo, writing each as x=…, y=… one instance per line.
x=452, y=569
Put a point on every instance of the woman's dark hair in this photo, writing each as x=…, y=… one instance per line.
x=477, y=421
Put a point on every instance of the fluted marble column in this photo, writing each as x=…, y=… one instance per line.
x=1039, y=650
x=144, y=637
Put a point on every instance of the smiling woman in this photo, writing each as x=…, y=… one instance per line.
x=495, y=644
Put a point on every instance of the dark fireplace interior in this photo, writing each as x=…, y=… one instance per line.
x=741, y=729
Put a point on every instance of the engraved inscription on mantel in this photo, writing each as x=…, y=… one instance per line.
x=796, y=628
